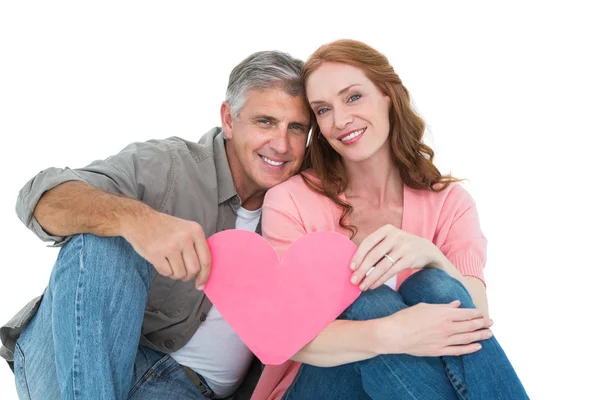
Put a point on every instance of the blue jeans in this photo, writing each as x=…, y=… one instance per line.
x=483, y=375
x=83, y=343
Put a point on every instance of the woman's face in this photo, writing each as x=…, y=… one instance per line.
x=352, y=113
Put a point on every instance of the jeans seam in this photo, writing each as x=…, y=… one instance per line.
x=22, y=370
x=78, y=297
x=147, y=374
x=384, y=361
x=458, y=385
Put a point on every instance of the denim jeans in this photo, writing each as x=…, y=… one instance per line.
x=483, y=375
x=83, y=343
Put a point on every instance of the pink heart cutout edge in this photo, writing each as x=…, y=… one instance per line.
x=276, y=308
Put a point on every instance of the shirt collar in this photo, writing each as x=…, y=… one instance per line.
x=225, y=186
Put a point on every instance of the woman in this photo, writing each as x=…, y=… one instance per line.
x=369, y=175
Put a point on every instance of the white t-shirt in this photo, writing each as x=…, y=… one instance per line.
x=216, y=351
x=392, y=282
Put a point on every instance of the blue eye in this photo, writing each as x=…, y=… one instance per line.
x=354, y=97
x=320, y=111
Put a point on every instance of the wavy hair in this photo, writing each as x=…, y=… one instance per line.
x=413, y=158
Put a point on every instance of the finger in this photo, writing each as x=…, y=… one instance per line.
x=371, y=260
x=205, y=260
x=466, y=314
x=365, y=247
x=177, y=265
x=453, y=304
x=163, y=268
x=377, y=253
x=191, y=261
x=201, y=280
x=374, y=274
x=384, y=278
x=396, y=255
x=383, y=269
x=394, y=269
x=460, y=350
x=471, y=325
x=471, y=337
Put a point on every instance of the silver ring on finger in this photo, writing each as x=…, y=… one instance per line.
x=390, y=259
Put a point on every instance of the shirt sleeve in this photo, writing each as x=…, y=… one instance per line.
x=281, y=221
x=459, y=233
x=140, y=171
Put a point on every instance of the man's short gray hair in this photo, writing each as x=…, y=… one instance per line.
x=264, y=70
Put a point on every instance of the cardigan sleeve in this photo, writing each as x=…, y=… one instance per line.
x=459, y=234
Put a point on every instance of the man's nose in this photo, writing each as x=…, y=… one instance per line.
x=279, y=141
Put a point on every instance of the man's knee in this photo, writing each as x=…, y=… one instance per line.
x=376, y=303
x=434, y=286
x=86, y=241
x=110, y=256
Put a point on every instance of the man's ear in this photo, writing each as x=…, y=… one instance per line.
x=227, y=120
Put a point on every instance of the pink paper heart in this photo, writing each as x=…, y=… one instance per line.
x=277, y=308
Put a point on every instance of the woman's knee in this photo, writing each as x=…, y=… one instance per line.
x=434, y=286
x=375, y=303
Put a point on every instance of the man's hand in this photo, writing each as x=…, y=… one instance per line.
x=176, y=247
x=434, y=330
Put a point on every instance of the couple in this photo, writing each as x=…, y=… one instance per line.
x=134, y=256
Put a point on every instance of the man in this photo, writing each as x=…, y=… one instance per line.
x=134, y=256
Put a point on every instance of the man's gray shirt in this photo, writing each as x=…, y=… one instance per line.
x=174, y=176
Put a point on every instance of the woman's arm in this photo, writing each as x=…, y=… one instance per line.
x=420, y=330
x=342, y=342
x=424, y=330
x=463, y=245
x=458, y=248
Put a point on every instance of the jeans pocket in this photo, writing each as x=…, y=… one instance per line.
x=20, y=377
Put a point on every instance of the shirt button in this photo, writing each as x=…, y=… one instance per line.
x=169, y=344
x=235, y=201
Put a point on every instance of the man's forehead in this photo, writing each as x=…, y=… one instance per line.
x=275, y=103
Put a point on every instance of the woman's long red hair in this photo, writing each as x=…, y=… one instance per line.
x=413, y=157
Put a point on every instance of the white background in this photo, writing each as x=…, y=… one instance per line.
x=509, y=93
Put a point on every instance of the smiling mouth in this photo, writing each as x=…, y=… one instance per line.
x=353, y=135
x=272, y=162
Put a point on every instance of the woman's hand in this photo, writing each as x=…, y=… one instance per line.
x=389, y=250
x=433, y=330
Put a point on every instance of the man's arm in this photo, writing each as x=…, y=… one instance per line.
x=105, y=199
x=76, y=207
x=132, y=173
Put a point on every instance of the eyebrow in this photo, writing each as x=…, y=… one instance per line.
x=276, y=121
x=341, y=92
x=257, y=117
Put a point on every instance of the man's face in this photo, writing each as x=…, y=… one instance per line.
x=266, y=141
